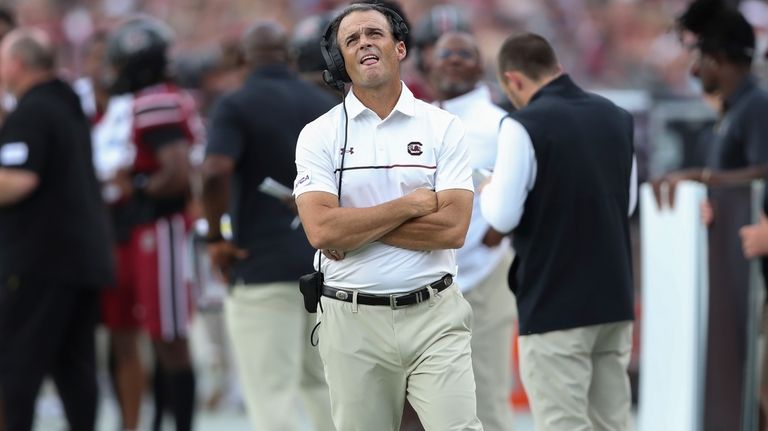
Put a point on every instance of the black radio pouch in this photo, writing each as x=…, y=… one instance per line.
x=311, y=287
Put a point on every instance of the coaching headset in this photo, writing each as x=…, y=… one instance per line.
x=335, y=74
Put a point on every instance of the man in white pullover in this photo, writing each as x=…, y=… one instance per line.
x=485, y=258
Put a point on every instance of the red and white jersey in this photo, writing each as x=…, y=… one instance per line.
x=162, y=106
x=119, y=135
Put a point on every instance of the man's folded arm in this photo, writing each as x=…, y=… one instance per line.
x=444, y=229
x=329, y=226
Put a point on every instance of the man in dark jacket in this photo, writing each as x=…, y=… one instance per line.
x=55, y=253
x=249, y=160
x=565, y=181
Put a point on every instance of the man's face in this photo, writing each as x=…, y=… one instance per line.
x=371, y=54
x=706, y=69
x=456, y=67
x=95, y=60
x=9, y=66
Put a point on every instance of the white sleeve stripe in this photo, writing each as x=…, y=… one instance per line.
x=150, y=100
x=157, y=107
x=158, y=118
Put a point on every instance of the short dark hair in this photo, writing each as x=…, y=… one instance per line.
x=528, y=53
x=720, y=29
x=364, y=7
x=394, y=6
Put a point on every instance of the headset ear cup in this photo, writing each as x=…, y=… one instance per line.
x=399, y=27
x=336, y=73
x=338, y=62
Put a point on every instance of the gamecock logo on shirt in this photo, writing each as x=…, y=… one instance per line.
x=414, y=148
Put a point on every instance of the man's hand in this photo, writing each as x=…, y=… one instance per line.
x=483, y=184
x=333, y=254
x=122, y=180
x=707, y=212
x=492, y=237
x=223, y=254
x=423, y=201
x=754, y=238
x=671, y=180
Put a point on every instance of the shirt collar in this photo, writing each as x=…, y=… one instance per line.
x=745, y=87
x=406, y=104
x=467, y=100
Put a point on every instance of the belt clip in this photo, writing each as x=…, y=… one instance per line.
x=432, y=295
x=354, y=301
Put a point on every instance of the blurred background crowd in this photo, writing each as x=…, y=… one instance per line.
x=617, y=44
x=624, y=49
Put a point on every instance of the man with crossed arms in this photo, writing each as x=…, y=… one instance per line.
x=393, y=322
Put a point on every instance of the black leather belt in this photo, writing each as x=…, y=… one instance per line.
x=397, y=300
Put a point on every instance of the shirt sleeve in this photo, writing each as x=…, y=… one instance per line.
x=756, y=137
x=314, y=161
x=226, y=134
x=633, y=187
x=23, y=145
x=453, y=171
x=503, y=199
x=160, y=119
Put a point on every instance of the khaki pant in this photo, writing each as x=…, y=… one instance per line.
x=494, y=312
x=270, y=330
x=576, y=379
x=375, y=355
x=763, y=349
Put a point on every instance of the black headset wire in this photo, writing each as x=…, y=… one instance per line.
x=340, y=86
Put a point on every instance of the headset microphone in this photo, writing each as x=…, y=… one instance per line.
x=335, y=84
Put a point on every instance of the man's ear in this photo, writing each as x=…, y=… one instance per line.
x=715, y=59
x=401, y=50
x=514, y=79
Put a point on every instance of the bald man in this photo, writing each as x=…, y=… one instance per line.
x=252, y=142
x=55, y=255
x=485, y=258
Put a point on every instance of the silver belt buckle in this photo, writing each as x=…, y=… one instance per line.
x=393, y=301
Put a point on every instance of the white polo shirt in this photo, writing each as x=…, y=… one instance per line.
x=417, y=145
x=482, y=120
